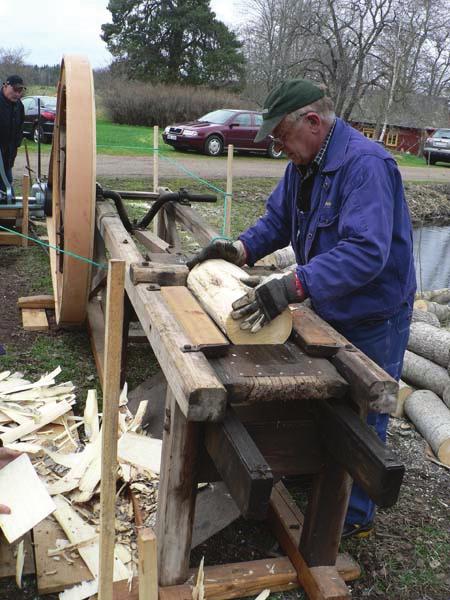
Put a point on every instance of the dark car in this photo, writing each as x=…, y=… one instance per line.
x=213, y=132
x=437, y=147
x=33, y=128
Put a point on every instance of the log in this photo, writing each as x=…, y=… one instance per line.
x=442, y=311
x=430, y=342
x=446, y=396
x=424, y=374
x=217, y=284
x=281, y=259
x=432, y=418
x=404, y=390
x=425, y=317
x=442, y=295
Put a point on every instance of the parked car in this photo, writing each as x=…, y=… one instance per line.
x=33, y=128
x=437, y=147
x=213, y=132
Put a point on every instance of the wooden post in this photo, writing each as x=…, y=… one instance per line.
x=111, y=393
x=148, y=566
x=176, y=498
x=229, y=196
x=25, y=212
x=155, y=170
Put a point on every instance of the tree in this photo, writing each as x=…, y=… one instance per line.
x=173, y=41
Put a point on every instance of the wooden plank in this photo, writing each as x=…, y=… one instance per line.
x=281, y=372
x=42, y=301
x=193, y=222
x=198, y=326
x=10, y=239
x=96, y=330
x=241, y=465
x=235, y=580
x=319, y=583
x=198, y=390
x=10, y=213
x=34, y=319
x=151, y=241
x=148, y=565
x=55, y=576
x=161, y=274
x=176, y=496
x=312, y=338
x=111, y=393
x=8, y=556
x=48, y=414
x=140, y=451
x=25, y=209
x=356, y=446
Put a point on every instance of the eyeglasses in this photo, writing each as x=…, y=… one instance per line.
x=280, y=141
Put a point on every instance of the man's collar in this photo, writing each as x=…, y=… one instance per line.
x=317, y=161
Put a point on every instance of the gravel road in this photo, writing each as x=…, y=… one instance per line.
x=215, y=168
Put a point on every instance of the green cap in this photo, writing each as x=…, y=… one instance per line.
x=284, y=99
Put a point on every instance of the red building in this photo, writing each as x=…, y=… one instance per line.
x=409, y=122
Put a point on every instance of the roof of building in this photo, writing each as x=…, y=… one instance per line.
x=416, y=111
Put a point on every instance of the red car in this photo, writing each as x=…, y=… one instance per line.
x=213, y=132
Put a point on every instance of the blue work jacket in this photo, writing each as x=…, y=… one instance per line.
x=354, y=246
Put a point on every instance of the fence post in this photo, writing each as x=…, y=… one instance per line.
x=155, y=170
x=229, y=196
x=25, y=211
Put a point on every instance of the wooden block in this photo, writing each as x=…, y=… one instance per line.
x=41, y=301
x=67, y=574
x=308, y=332
x=241, y=465
x=10, y=239
x=355, y=445
x=34, y=319
x=148, y=566
x=159, y=273
x=198, y=326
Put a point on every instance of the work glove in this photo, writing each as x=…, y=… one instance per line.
x=267, y=299
x=233, y=252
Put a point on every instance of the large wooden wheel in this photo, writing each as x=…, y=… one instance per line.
x=72, y=182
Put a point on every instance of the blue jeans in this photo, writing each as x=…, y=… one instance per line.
x=385, y=343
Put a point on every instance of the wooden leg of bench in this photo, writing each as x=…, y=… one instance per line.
x=325, y=514
x=176, y=498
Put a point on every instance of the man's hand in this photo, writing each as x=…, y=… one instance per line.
x=267, y=300
x=6, y=456
x=233, y=252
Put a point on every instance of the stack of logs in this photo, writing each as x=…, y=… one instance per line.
x=424, y=394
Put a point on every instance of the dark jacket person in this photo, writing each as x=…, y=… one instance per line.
x=11, y=123
x=342, y=207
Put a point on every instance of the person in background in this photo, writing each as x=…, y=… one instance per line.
x=341, y=205
x=11, y=125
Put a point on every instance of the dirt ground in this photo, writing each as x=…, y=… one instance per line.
x=408, y=557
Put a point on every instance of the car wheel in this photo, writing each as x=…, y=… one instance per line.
x=214, y=145
x=272, y=153
x=38, y=134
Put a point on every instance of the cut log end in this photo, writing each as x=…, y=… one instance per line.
x=275, y=332
x=444, y=453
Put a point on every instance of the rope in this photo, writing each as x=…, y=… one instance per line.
x=57, y=248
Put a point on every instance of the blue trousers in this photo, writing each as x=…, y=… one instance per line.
x=385, y=343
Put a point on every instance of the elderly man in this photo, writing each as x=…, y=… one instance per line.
x=11, y=126
x=342, y=207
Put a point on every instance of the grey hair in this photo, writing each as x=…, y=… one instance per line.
x=323, y=107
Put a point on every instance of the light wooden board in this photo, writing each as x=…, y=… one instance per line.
x=48, y=414
x=198, y=326
x=140, y=451
x=34, y=319
x=25, y=494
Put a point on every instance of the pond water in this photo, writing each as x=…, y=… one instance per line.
x=432, y=257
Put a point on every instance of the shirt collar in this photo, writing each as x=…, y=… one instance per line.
x=318, y=160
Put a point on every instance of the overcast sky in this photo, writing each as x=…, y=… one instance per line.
x=47, y=29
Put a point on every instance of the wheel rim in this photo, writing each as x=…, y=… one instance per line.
x=214, y=146
x=36, y=135
x=72, y=178
x=274, y=153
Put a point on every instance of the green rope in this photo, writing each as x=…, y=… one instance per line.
x=45, y=244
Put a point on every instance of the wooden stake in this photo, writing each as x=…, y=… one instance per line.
x=25, y=214
x=229, y=196
x=148, y=567
x=155, y=170
x=111, y=393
